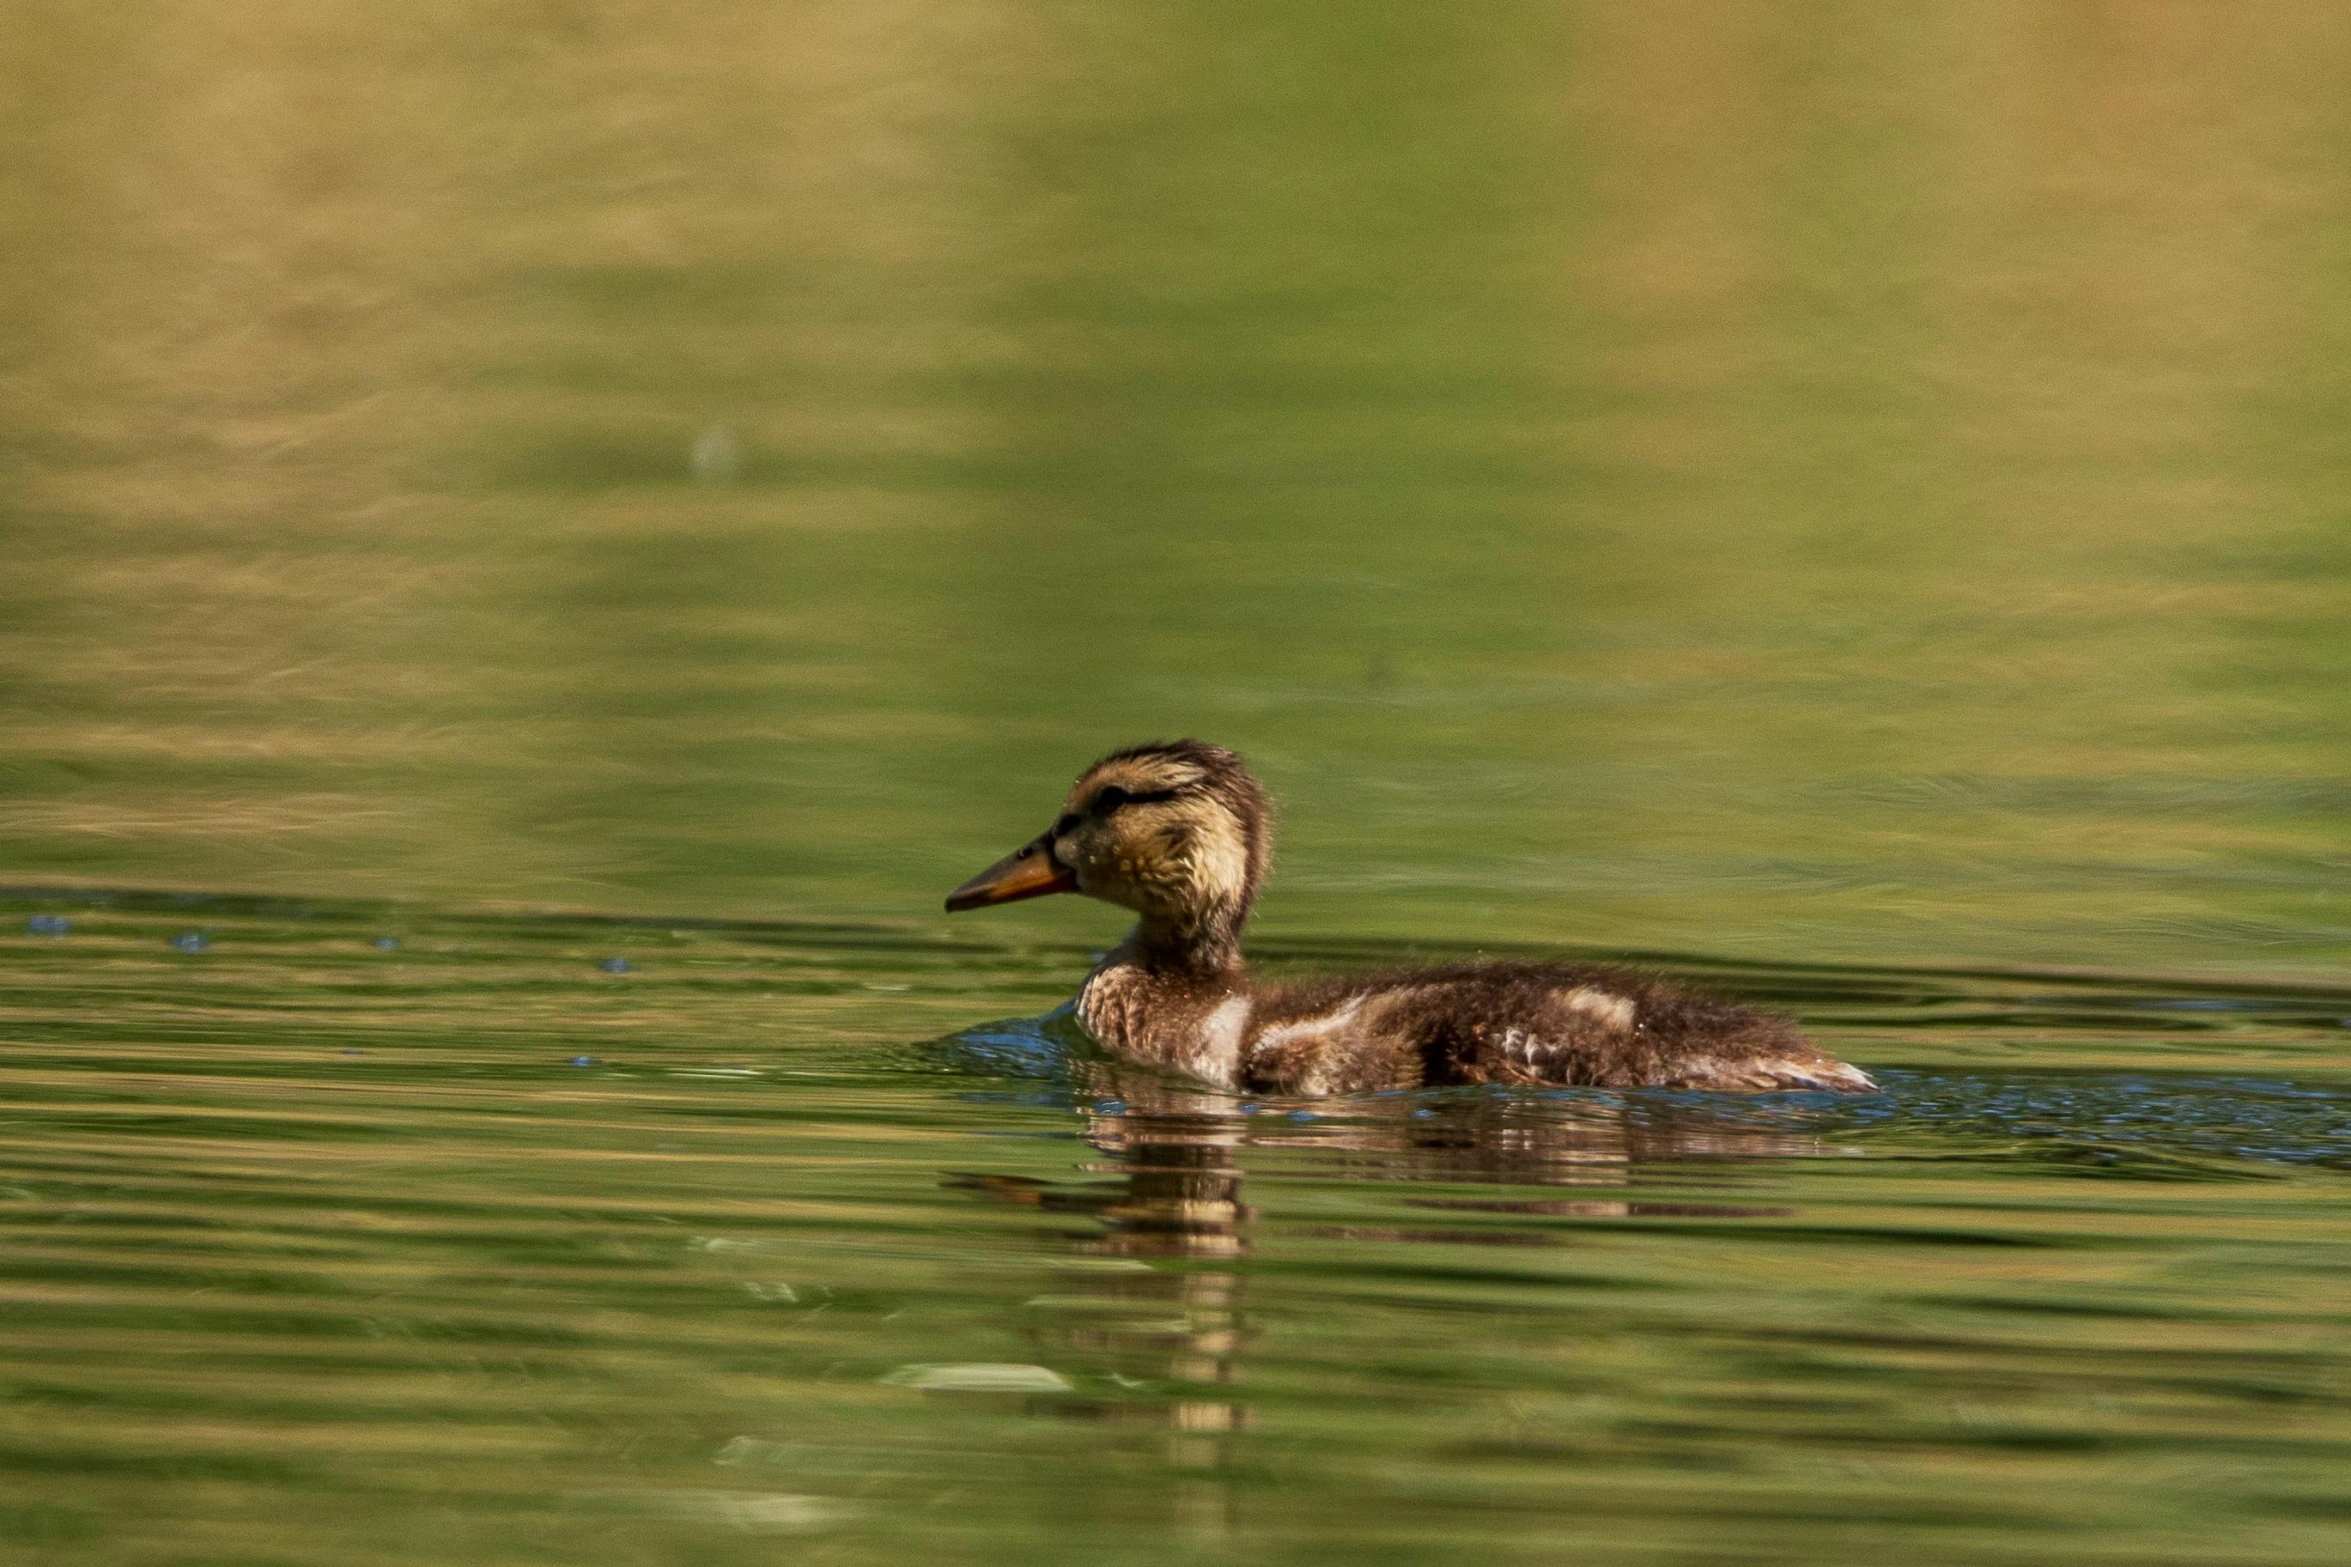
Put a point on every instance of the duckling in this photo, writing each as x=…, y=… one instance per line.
x=1180, y=833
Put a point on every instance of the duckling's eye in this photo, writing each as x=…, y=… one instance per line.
x=1110, y=799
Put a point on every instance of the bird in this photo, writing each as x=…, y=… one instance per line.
x=1180, y=833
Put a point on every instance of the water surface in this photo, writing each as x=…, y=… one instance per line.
x=372, y=1234
x=540, y=540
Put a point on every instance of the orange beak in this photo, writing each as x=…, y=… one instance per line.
x=1029, y=871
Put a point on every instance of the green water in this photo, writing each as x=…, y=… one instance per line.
x=1846, y=501
x=471, y=1250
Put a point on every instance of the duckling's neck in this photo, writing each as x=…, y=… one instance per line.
x=1194, y=949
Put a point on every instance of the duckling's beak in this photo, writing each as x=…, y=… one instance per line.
x=1029, y=871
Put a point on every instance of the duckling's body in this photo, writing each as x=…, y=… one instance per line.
x=1180, y=833
x=1464, y=1023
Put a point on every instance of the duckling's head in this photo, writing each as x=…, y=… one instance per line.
x=1176, y=831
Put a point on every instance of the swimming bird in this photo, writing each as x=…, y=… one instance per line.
x=1179, y=833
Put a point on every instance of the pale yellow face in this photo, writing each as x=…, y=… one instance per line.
x=1144, y=833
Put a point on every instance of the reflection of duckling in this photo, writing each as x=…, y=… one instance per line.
x=1179, y=833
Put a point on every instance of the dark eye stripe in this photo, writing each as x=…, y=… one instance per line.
x=1111, y=797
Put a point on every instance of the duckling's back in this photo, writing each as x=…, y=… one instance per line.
x=1531, y=1023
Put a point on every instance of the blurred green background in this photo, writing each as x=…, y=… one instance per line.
x=1797, y=480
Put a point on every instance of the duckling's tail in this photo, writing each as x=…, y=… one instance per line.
x=1771, y=1073
x=1834, y=1076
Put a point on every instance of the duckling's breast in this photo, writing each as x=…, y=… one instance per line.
x=1195, y=1024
